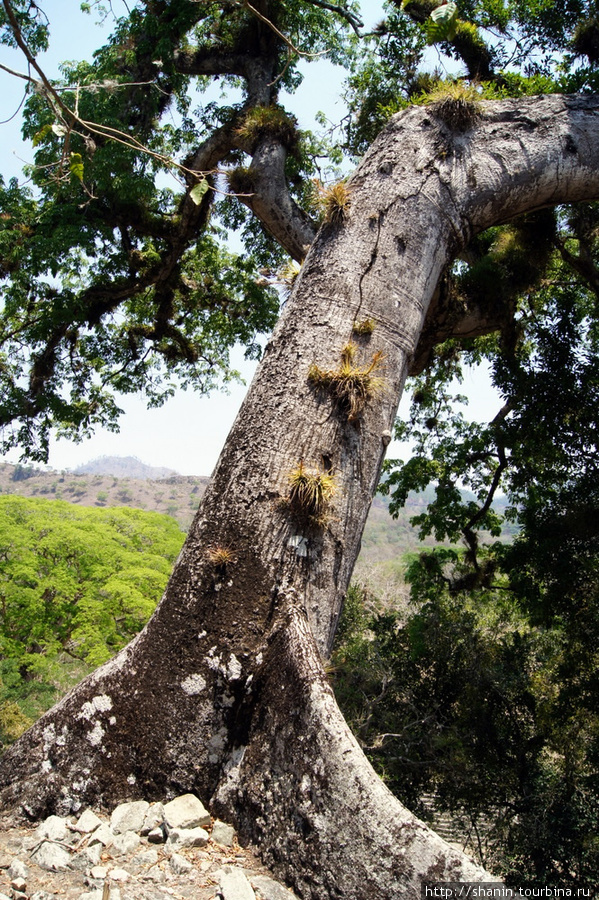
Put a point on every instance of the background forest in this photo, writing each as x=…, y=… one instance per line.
x=483, y=691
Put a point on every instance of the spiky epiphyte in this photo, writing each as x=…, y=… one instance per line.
x=333, y=202
x=310, y=494
x=241, y=180
x=268, y=121
x=364, y=327
x=455, y=103
x=220, y=556
x=287, y=275
x=350, y=386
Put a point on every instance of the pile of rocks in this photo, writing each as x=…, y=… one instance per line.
x=145, y=851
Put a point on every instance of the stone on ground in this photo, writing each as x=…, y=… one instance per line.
x=129, y=816
x=186, y=811
x=233, y=885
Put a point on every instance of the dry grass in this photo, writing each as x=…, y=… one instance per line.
x=350, y=386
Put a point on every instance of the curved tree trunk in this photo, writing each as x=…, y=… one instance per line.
x=224, y=691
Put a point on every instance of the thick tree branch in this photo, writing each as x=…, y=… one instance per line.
x=269, y=199
x=210, y=62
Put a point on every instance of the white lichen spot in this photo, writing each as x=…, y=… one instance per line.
x=112, y=720
x=306, y=784
x=259, y=659
x=131, y=779
x=49, y=734
x=201, y=635
x=46, y=766
x=79, y=786
x=234, y=669
x=216, y=745
x=62, y=737
x=95, y=735
x=232, y=769
x=300, y=544
x=194, y=684
x=213, y=662
x=101, y=703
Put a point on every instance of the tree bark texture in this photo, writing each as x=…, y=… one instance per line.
x=224, y=692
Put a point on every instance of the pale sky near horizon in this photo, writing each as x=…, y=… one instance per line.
x=189, y=431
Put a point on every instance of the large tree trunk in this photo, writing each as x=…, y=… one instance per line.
x=224, y=692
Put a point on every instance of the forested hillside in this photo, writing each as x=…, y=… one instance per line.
x=76, y=585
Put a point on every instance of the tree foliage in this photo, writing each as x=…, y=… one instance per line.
x=466, y=700
x=116, y=274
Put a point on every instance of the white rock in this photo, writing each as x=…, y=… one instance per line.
x=102, y=835
x=87, y=822
x=179, y=864
x=234, y=885
x=4, y=897
x=186, y=811
x=146, y=858
x=86, y=857
x=126, y=843
x=268, y=888
x=93, y=854
x=129, y=816
x=17, y=869
x=187, y=837
x=114, y=894
x=222, y=834
x=18, y=884
x=99, y=873
x=154, y=818
x=52, y=857
x=54, y=828
x=117, y=874
x=155, y=874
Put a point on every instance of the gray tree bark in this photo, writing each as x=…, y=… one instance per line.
x=224, y=692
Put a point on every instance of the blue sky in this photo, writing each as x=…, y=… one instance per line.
x=187, y=433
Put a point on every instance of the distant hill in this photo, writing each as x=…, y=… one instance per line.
x=176, y=495
x=124, y=467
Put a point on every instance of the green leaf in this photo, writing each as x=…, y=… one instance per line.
x=198, y=190
x=39, y=137
x=442, y=23
x=76, y=165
